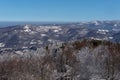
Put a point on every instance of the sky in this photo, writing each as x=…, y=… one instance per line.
x=59, y=10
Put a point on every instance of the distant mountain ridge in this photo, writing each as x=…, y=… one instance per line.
x=38, y=35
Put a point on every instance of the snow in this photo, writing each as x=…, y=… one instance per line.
x=32, y=32
x=83, y=32
x=47, y=28
x=50, y=40
x=95, y=38
x=24, y=47
x=40, y=42
x=110, y=37
x=102, y=31
x=115, y=25
x=43, y=35
x=32, y=42
x=56, y=30
x=116, y=30
x=19, y=52
x=2, y=44
x=26, y=28
x=96, y=23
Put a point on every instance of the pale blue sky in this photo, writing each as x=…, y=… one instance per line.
x=59, y=10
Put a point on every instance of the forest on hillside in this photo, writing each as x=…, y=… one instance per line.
x=78, y=60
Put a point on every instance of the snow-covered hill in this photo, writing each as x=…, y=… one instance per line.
x=25, y=36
